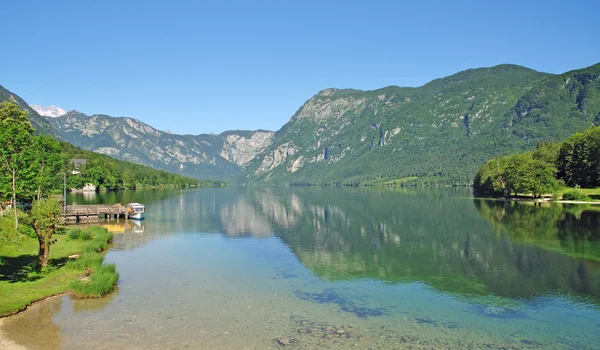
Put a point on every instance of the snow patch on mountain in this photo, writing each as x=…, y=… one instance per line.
x=50, y=111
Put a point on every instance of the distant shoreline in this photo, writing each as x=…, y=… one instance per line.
x=531, y=200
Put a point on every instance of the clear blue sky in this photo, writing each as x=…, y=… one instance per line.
x=198, y=67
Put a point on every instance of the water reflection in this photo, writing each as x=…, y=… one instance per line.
x=443, y=238
x=437, y=238
x=572, y=230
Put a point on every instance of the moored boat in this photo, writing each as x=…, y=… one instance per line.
x=135, y=211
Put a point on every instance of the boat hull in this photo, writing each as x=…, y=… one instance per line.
x=136, y=216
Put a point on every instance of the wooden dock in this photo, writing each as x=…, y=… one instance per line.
x=85, y=214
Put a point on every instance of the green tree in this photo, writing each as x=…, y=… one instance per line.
x=578, y=160
x=47, y=165
x=15, y=139
x=527, y=173
x=534, y=176
x=45, y=215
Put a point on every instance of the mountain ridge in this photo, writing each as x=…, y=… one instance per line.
x=437, y=133
x=212, y=156
x=352, y=129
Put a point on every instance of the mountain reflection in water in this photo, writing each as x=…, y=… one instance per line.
x=441, y=237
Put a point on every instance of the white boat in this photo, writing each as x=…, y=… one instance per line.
x=136, y=211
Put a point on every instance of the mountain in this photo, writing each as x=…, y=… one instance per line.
x=439, y=133
x=50, y=111
x=40, y=124
x=206, y=156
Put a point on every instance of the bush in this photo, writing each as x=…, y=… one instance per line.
x=27, y=231
x=8, y=234
x=74, y=233
x=575, y=196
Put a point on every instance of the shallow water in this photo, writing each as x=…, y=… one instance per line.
x=335, y=268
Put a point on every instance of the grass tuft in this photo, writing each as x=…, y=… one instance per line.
x=101, y=282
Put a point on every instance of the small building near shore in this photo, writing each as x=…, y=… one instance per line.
x=78, y=164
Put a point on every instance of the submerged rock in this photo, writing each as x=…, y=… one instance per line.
x=283, y=341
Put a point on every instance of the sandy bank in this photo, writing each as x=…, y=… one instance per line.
x=7, y=344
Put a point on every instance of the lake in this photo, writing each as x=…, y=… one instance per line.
x=335, y=268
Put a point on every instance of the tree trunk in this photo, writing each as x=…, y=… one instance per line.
x=48, y=241
x=43, y=252
x=44, y=239
x=14, y=190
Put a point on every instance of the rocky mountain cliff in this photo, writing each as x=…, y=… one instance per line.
x=439, y=133
x=201, y=156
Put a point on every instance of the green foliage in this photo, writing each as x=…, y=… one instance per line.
x=79, y=234
x=48, y=165
x=8, y=233
x=15, y=158
x=27, y=230
x=578, y=160
x=531, y=173
x=575, y=195
x=574, y=162
x=45, y=214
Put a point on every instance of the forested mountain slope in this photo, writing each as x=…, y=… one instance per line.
x=40, y=123
x=439, y=133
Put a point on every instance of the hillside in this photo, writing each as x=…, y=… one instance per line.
x=557, y=107
x=40, y=123
x=439, y=133
x=200, y=156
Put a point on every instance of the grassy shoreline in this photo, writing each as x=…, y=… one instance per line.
x=564, y=195
x=76, y=266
